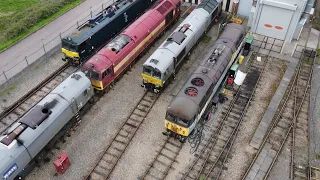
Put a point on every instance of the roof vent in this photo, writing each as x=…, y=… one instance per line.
x=197, y=82
x=76, y=76
x=191, y=91
x=91, y=65
x=219, y=49
x=204, y=70
x=154, y=61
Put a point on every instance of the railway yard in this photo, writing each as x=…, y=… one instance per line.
x=260, y=132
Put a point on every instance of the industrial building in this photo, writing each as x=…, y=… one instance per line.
x=281, y=19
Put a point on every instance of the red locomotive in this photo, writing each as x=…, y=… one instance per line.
x=118, y=54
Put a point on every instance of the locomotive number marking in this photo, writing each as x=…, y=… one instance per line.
x=125, y=17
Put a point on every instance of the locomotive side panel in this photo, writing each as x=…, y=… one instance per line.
x=12, y=160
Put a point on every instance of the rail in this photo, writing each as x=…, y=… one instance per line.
x=44, y=48
x=29, y=100
x=122, y=139
x=276, y=138
x=226, y=131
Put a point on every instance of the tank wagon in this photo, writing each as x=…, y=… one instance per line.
x=189, y=105
x=22, y=144
x=98, y=30
x=104, y=67
x=163, y=63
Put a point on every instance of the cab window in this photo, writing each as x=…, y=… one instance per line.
x=147, y=70
x=170, y=117
x=157, y=74
x=106, y=72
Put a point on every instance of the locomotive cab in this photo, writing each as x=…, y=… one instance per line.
x=152, y=78
x=70, y=49
x=99, y=75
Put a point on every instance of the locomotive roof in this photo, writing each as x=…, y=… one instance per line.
x=208, y=5
x=207, y=74
x=160, y=59
x=99, y=61
x=56, y=101
x=99, y=21
x=172, y=45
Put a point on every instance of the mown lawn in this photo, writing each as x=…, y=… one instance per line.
x=19, y=18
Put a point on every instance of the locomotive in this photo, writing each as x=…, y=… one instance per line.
x=163, y=63
x=105, y=66
x=98, y=30
x=188, y=106
x=21, y=146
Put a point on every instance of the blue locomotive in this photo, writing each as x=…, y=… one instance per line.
x=97, y=31
x=23, y=142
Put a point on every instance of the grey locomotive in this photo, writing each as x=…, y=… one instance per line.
x=163, y=63
x=27, y=137
x=189, y=105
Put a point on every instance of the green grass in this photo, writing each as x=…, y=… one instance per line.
x=8, y=89
x=19, y=18
x=206, y=39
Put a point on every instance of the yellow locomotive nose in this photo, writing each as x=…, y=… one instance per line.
x=70, y=54
x=152, y=80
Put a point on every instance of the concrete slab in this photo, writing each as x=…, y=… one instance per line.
x=260, y=175
x=266, y=164
x=272, y=153
x=256, y=167
x=251, y=175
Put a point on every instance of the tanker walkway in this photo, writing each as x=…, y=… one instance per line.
x=16, y=58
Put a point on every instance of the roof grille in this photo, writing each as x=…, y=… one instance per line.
x=219, y=49
x=191, y=91
x=154, y=61
x=197, y=82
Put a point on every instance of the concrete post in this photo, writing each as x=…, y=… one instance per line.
x=26, y=60
x=5, y=76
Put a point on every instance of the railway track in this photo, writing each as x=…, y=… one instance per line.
x=210, y=161
x=164, y=160
x=29, y=100
x=122, y=139
x=299, y=142
x=292, y=119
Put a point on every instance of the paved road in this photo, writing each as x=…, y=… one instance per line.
x=49, y=35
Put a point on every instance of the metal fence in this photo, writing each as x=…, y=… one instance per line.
x=43, y=49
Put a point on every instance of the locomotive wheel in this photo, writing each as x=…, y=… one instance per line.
x=183, y=139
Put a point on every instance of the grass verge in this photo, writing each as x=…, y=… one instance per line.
x=29, y=19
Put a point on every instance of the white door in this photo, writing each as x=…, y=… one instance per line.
x=274, y=22
x=244, y=7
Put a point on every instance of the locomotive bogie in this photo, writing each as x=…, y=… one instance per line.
x=59, y=106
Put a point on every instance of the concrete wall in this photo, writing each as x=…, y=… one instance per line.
x=263, y=13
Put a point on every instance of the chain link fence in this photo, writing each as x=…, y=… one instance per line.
x=44, y=49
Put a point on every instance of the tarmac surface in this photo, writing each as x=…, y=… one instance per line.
x=13, y=59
